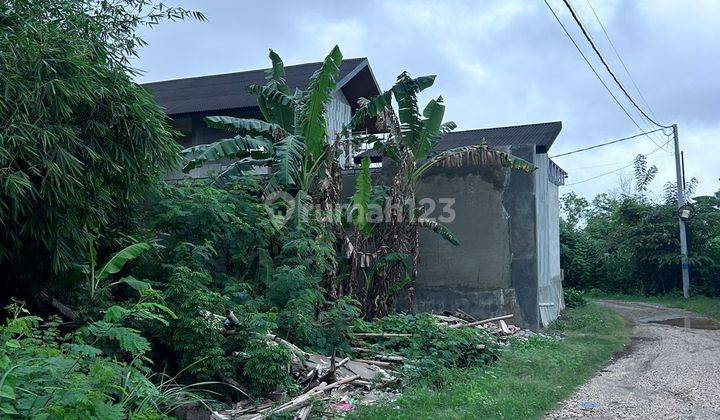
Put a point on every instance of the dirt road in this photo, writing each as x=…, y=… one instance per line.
x=667, y=372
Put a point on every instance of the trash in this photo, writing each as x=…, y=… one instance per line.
x=371, y=378
x=589, y=405
x=342, y=407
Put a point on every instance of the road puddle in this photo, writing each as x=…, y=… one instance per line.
x=690, y=322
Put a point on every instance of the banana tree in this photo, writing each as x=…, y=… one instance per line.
x=292, y=140
x=410, y=145
x=97, y=279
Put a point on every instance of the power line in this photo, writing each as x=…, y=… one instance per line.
x=617, y=54
x=607, y=67
x=622, y=62
x=587, y=61
x=615, y=170
x=607, y=143
x=592, y=43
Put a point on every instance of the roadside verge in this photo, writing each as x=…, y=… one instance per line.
x=527, y=381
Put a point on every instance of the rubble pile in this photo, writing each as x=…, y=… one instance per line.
x=341, y=384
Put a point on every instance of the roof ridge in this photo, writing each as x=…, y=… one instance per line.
x=292, y=66
x=506, y=126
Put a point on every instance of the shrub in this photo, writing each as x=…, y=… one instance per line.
x=80, y=141
x=267, y=367
x=98, y=372
x=432, y=347
x=574, y=298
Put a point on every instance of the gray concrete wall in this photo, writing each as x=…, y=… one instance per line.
x=494, y=269
x=519, y=200
x=474, y=276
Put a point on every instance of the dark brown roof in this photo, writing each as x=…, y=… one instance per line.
x=227, y=91
x=541, y=135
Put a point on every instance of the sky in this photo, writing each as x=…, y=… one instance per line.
x=498, y=63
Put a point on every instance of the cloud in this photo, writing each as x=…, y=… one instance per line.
x=498, y=63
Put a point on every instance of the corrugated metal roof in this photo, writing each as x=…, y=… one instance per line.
x=227, y=91
x=542, y=135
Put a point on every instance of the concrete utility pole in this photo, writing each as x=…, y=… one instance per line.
x=681, y=202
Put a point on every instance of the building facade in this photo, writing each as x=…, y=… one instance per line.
x=507, y=221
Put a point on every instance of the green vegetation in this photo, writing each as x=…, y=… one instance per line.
x=574, y=298
x=527, y=381
x=163, y=289
x=98, y=371
x=628, y=242
x=164, y=286
x=80, y=143
x=432, y=349
x=412, y=137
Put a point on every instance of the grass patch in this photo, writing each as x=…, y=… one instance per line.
x=529, y=379
x=701, y=304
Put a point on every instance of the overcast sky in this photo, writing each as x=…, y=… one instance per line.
x=498, y=63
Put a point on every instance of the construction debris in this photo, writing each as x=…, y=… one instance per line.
x=341, y=384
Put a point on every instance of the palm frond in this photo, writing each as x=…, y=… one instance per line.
x=246, y=126
x=320, y=89
x=369, y=108
x=276, y=73
x=236, y=147
x=405, y=92
x=476, y=155
x=432, y=123
x=288, y=159
x=118, y=261
x=440, y=229
x=242, y=167
x=276, y=104
x=447, y=127
x=272, y=94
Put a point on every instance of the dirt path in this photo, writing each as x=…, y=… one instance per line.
x=667, y=372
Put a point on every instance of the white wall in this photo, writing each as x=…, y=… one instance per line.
x=338, y=114
x=550, y=298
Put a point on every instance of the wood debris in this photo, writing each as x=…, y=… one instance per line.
x=342, y=382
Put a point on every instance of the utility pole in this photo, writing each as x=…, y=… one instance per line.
x=681, y=202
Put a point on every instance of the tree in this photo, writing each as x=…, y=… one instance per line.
x=79, y=141
x=292, y=140
x=410, y=146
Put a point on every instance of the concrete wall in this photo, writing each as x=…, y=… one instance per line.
x=548, y=243
x=493, y=271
